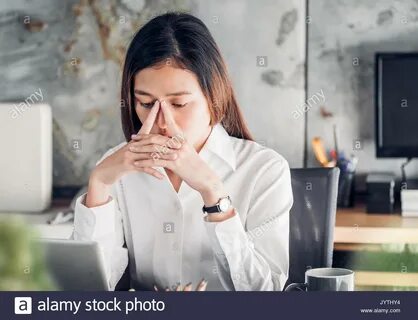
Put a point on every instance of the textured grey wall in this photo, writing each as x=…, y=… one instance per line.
x=343, y=38
x=73, y=51
x=272, y=31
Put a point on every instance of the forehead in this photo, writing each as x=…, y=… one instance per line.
x=161, y=80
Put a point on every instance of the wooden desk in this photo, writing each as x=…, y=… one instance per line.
x=358, y=231
x=354, y=225
x=385, y=279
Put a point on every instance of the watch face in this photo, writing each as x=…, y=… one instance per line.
x=224, y=204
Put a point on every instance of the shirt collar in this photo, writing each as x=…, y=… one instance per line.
x=219, y=143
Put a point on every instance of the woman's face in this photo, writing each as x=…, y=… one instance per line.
x=180, y=89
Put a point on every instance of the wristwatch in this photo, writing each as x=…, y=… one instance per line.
x=222, y=205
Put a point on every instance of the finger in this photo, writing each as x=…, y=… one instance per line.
x=151, y=171
x=179, y=287
x=202, y=285
x=173, y=128
x=169, y=156
x=170, y=142
x=135, y=147
x=154, y=163
x=149, y=121
x=203, y=288
x=142, y=136
x=155, y=288
x=154, y=156
x=188, y=287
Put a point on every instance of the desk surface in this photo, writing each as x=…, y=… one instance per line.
x=39, y=220
x=354, y=225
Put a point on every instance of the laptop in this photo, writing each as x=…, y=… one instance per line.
x=75, y=265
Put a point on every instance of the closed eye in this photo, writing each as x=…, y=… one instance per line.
x=177, y=105
x=147, y=105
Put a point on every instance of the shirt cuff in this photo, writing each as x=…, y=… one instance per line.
x=227, y=236
x=95, y=222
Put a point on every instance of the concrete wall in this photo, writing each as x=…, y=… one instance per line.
x=73, y=51
x=343, y=38
x=271, y=31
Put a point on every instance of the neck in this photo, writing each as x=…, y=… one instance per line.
x=199, y=145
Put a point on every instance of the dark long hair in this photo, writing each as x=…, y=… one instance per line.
x=184, y=40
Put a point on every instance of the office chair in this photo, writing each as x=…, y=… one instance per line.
x=312, y=220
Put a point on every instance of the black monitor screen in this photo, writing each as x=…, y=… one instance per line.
x=397, y=105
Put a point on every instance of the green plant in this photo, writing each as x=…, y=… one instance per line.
x=22, y=264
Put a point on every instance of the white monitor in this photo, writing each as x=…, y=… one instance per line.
x=25, y=157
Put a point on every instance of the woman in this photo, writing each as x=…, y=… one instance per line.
x=189, y=195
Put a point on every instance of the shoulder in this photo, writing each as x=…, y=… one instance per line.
x=266, y=170
x=251, y=153
x=111, y=151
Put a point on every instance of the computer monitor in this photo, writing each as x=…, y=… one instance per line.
x=396, y=105
x=26, y=156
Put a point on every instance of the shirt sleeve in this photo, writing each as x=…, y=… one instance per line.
x=103, y=224
x=254, y=256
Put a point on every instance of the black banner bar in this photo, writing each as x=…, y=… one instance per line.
x=209, y=305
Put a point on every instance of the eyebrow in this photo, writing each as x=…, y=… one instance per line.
x=144, y=93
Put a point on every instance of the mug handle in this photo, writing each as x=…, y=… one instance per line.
x=296, y=287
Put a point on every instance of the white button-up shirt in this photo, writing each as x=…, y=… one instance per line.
x=168, y=241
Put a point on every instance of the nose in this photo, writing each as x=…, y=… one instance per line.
x=162, y=125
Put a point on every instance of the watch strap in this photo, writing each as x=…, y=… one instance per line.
x=215, y=208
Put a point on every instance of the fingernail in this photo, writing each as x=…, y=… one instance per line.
x=201, y=283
